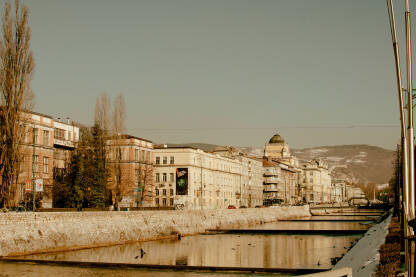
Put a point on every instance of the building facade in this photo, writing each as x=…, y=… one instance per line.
x=36, y=158
x=316, y=182
x=200, y=180
x=282, y=173
x=66, y=136
x=131, y=171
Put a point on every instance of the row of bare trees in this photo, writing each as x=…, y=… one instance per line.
x=16, y=69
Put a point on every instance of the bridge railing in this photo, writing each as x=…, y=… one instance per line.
x=342, y=272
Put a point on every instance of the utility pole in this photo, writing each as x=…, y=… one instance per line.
x=200, y=157
x=34, y=162
x=410, y=186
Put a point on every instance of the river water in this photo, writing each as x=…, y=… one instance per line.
x=228, y=250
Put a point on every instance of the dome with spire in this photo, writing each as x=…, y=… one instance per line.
x=276, y=139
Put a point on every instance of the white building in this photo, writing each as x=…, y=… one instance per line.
x=316, y=182
x=66, y=135
x=201, y=180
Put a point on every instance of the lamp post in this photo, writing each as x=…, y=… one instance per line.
x=200, y=157
x=34, y=162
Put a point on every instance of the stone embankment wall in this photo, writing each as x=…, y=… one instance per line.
x=24, y=233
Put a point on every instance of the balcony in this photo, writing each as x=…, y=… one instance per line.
x=272, y=180
x=63, y=142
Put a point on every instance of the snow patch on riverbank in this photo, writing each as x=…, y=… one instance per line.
x=364, y=257
x=43, y=232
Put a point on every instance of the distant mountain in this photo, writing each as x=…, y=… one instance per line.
x=355, y=163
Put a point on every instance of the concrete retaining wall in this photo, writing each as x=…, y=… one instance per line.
x=23, y=233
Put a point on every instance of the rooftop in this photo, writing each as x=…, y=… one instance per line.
x=276, y=139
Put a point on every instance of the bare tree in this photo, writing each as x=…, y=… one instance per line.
x=102, y=111
x=16, y=68
x=119, y=126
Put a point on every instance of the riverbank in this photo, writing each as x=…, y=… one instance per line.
x=27, y=233
x=364, y=257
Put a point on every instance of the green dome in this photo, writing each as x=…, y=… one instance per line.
x=276, y=139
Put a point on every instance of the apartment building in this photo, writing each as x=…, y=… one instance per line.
x=280, y=183
x=136, y=170
x=273, y=191
x=66, y=135
x=282, y=173
x=37, y=158
x=199, y=180
x=251, y=191
x=316, y=182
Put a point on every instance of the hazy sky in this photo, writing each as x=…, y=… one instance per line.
x=222, y=71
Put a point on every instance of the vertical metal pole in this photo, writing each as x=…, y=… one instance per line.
x=200, y=156
x=411, y=190
x=33, y=170
x=241, y=176
x=410, y=155
x=404, y=156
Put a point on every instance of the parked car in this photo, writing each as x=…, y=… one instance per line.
x=260, y=206
x=20, y=209
x=231, y=207
x=243, y=207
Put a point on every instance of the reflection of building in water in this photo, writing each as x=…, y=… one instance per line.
x=285, y=251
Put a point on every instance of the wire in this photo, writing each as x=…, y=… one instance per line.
x=267, y=128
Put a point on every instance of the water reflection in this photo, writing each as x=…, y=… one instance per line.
x=340, y=217
x=311, y=225
x=284, y=251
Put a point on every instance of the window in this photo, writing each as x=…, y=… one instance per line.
x=46, y=138
x=143, y=155
x=171, y=191
x=35, y=163
x=172, y=177
x=165, y=160
x=164, y=191
x=310, y=180
x=157, y=192
x=137, y=153
x=172, y=160
x=164, y=201
x=69, y=135
x=148, y=156
x=165, y=177
x=59, y=134
x=157, y=160
x=157, y=177
x=45, y=164
x=171, y=201
x=157, y=201
x=35, y=135
x=311, y=173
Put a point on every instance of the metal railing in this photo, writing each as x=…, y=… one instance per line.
x=342, y=272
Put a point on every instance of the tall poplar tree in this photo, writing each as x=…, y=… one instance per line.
x=16, y=68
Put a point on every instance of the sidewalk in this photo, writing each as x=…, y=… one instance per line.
x=363, y=258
